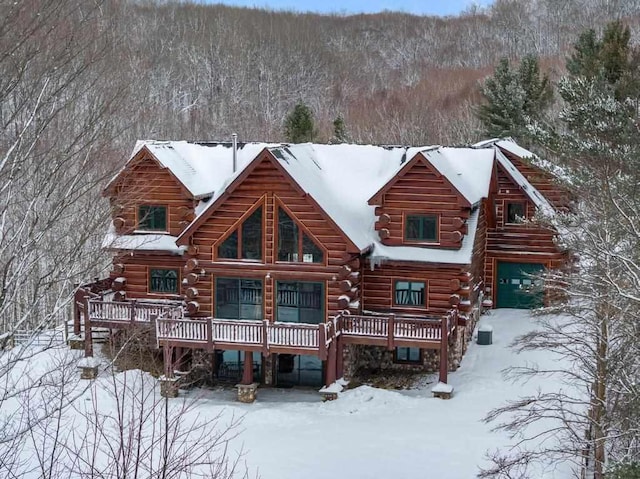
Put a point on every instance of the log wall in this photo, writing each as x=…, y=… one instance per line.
x=420, y=190
x=542, y=180
x=266, y=184
x=145, y=182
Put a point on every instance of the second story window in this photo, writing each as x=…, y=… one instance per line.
x=245, y=242
x=294, y=244
x=152, y=218
x=421, y=228
x=515, y=212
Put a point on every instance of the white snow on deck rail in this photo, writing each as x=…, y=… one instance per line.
x=142, y=242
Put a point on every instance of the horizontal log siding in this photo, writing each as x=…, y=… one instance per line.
x=479, y=255
x=145, y=182
x=267, y=180
x=422, y=191
x=378, y=287
x=514, y=242
x=136, y=271
x=543, y=181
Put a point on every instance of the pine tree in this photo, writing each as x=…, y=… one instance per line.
x=299, y=124
x=514, y=97
x=340, y=134
x=610, y=59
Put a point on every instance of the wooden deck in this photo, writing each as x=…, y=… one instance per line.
x=175, y=330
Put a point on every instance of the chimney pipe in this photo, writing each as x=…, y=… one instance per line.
x=234, y=141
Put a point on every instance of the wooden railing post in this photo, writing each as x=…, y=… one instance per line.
x=209, y=335
x=265, y=337
x=322, y=341
x=391, y=331
x=444, y=353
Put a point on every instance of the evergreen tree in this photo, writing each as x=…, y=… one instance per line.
x=514, y=97
x=610, y=59
x=597, y=145
x=299, y=124
x=340, y=134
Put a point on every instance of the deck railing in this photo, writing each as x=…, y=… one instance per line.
x=172, y=326
x=132, y=311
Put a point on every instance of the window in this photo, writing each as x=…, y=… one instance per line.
x=238, y=298
x=299, y=302
x=246, y=241
x=163, y=281
x=152, y=218
x=409, y=293
x=294, y=244
x=421, y=228
x=515, y=212
x=408, y=355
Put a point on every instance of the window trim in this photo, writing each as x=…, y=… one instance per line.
x=506, y=211
x=305, y=231
x=237, y=226
x=422, y=307
x=406, y=240
x=140, y=229
x=159, y=293
x=418, y=362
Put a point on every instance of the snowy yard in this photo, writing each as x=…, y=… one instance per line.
x=372, y=433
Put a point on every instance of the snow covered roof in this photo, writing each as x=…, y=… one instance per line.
x=468, y=169
x=200, y=167
x=534, y=195
x=339, y=178
x=142, y=242
x=510, y=146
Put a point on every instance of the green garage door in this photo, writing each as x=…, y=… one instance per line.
x=518, y=286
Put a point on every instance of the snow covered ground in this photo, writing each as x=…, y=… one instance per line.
x=372, y=433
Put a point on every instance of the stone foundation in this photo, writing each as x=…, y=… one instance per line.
x=247, y=393
x=329, y=396
x=88, y=372
x=267, y=367
x=76, y=342
x=168, y=387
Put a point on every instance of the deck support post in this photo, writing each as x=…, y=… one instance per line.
x=247, y=371
x=88, y=336
x=78, y=296
x=444, y=354
x=168, y=382
x=339, y=358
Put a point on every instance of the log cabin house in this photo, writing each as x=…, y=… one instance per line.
x=296, y=264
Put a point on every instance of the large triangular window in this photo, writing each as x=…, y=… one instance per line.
x=245, y=242
x=294, y=244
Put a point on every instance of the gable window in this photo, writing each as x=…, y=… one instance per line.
x=421, y=228
x=409, y=293
x=163, y=281
x=515, y=212
x=294, y=244
x=408, y=355
x=245, y=242
x=152, y=218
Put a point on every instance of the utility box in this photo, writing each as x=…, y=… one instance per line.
x=485, y=335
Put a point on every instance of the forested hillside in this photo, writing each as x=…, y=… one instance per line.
x=203, y=71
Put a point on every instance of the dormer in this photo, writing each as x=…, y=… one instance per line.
x=428, y=201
